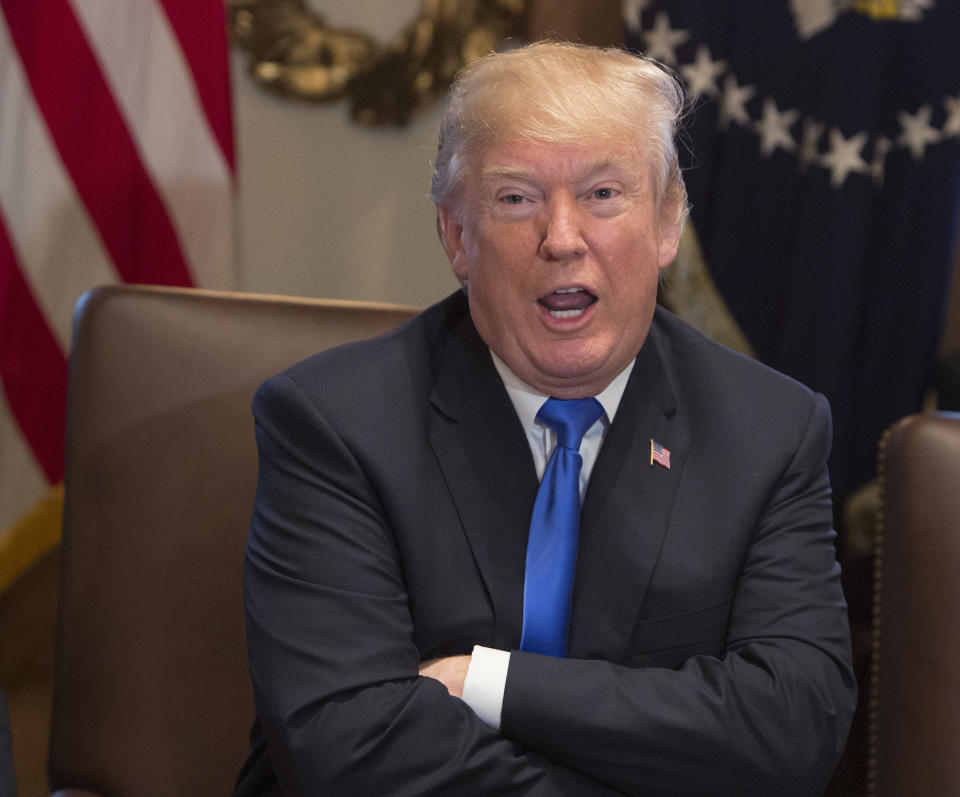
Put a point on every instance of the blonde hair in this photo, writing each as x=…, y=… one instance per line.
x=557, y=92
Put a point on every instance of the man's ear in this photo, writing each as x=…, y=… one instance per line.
x=669, y=243
x=451, y=233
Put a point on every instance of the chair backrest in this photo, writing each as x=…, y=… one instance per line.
x=151, y=690
x=915, y=689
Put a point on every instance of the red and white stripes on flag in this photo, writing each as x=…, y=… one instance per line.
x=116, y=165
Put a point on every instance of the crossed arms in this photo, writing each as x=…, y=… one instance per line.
x=350, y=597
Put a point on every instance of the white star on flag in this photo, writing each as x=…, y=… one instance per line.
x=702, y=74
x=878, y=164
x=733, y=105
x=844, y=157
x=917, y=131
x=912, y=10
x=774, y=129
x=631, y=11
x=662, y=41
x=952, y=126
x=809, y=146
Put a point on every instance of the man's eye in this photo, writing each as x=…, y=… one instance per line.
x=604, y=193
x=512, y=199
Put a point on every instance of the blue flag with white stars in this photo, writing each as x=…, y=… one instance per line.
x=823, y=166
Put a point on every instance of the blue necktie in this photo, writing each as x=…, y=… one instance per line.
x=554, y=528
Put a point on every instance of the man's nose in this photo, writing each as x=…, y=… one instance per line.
x=563, y=234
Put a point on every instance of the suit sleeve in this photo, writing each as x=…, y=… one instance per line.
x=330, y=639
x=770, y=716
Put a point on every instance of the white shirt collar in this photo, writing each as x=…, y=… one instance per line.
x=527, y=401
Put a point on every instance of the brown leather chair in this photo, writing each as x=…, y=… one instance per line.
x=915, y=689
x=151, y=690
x=8, y=778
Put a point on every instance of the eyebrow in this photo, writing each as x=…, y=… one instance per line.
x=504, y=171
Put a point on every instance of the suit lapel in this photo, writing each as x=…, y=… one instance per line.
x=485, y=459
x=626, y=512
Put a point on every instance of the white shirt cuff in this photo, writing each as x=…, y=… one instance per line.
x=485, y=682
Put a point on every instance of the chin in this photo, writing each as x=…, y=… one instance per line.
x=574, y=359
x=570, y=375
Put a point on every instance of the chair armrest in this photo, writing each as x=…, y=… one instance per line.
x=74, y=793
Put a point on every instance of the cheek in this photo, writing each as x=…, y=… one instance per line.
x=464, y=258
x=497, y=295
x=496, y=261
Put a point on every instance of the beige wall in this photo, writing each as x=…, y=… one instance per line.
x=330, y=209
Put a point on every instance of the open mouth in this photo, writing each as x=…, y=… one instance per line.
x=567, y=302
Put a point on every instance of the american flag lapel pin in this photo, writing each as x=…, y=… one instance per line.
x=659, y=454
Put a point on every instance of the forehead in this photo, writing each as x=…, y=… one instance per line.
x=560, y=161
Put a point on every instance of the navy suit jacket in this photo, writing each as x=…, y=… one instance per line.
x=708, y=649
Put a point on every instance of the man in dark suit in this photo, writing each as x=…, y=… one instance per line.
x=394, y=589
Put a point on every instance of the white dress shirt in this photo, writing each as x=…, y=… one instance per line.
x=487, y=674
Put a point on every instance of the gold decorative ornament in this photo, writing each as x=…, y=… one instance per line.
x=294, y=52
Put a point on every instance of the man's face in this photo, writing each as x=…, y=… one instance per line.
x=561, y=246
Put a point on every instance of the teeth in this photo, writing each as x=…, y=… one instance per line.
x=567, y=290
x=565, y=313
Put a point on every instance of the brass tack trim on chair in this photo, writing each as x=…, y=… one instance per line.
x=878, y=540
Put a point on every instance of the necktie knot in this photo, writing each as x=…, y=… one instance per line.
x=570, y=419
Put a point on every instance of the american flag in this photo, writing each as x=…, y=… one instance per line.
x=116, y=165
x=659, y=454
x=823, y=165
